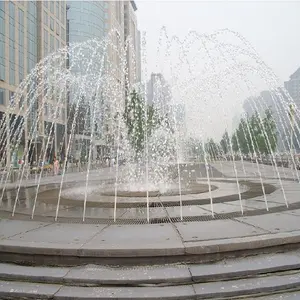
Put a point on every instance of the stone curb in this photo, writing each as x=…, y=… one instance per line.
x=187, y=249
x=97, y=275
x=212, y=290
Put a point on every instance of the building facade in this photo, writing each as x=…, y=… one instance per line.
x=293, y=87
x=97, y=20
x=159, y=93
x=131, y=35
x=86, y=21
x=29, y=31
x=276, y=102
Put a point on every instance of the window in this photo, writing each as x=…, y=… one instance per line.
x=12, y=74
x=62, y=33
x=46, y=109
x=2, y=59
x=21, y=102
x=45, y=36
x=62, y=12
x=57, y=28
x=52, y=6
x=11, y=98
x=51, y=43
x=2, y=5
x=45, y=3
x=2, y=96
x=11, y=9
x=57, y=44
x=46, y=18
x=63, y=114
x=57, y=9
x=51, y=24
x=2, y=72
x=45, y=42
x=50, y=110
x=21, y=17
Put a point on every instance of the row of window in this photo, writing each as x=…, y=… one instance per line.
x=2, y=41
x=60, y=9
x=53, y=46
x=58, y=29
x=51, y=110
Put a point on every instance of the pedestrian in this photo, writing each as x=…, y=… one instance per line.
x=112, y=161
x=56, y=166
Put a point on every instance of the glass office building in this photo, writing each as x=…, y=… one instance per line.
x=29, y=31
x=86, y=20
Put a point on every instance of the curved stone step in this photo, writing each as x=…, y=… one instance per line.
x=160, y=275
x=212, y=290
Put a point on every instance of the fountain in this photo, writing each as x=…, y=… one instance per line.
x=94, y=171
x=72, y=107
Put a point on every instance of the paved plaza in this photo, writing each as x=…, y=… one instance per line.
x=165, y=259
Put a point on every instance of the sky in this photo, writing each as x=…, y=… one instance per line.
x=272, y=27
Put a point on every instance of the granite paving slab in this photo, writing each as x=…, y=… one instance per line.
x=248, y=286
x=57, y=233
x=295, y=212
x=242, y=243
x=91, y=212
x=173, y=292
x=161, y=239
x=26, y=290
x=274, y=222
x=135, y=275
x=187, y=211
x=222, y=208
x=49, y=274
x=285, y=296
x=246, y=266
x=141, y=213
x=10, y=228
x=216, y=229
x=153, y=274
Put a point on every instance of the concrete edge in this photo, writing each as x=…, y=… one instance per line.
x=154, y=250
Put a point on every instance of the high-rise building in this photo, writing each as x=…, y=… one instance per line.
x=51, y=36
x=29, y=31
x=95, y=20
x=293, y=87
x=114, y=24
x=276, y=103
x=159, y=93
x=139, y=57
x=132, y=35
x=86, y=20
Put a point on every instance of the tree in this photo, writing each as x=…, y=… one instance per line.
x=212, y=149
x=255, y=134
x=270, y=132
x=235, y=142
x=139, y=121
x=195, y=148
x=225, y=142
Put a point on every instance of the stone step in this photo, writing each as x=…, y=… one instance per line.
x=286, y=296
x=162, y=275
x=212, y=290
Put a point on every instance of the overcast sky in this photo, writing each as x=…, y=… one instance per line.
x=272, y=27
